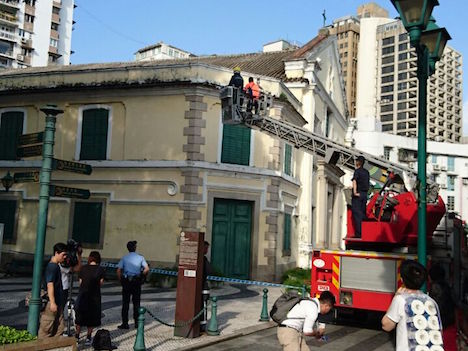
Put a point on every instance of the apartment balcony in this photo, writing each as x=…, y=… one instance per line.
x=10, y=4
x=28, y=26
x=53, y=50
x=54, y=34
x=7, y=36
x=26, y=60
x=56, y=18
x=9, y=19
x=29, y=10
x=7, y=53
x=26, y=43
x=57, y=4
x=6, y=64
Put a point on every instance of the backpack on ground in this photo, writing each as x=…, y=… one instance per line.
x=102, y=340
x=284, y=304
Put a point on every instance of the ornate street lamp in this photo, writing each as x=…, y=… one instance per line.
x=429, y=41
x=434, y=39
x=415, y=15
x=7, y=181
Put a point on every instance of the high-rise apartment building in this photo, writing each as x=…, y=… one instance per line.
x=347, y=31
x=35, y=32
x=397, y=87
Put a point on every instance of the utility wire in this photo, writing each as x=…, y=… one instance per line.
x=110, y=28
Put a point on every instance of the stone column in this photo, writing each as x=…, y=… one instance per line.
x=193, y=181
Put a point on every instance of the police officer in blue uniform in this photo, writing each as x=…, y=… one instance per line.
x=132, y=270
x=359, y=199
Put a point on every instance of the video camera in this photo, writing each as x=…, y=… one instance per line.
x=71, y=257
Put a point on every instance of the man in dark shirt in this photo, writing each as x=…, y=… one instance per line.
x=237, y=82
x=359, y=199
x=51, y=322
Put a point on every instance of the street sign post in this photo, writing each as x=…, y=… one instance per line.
x=62, y=191
x=29, y=139
x=69, y=166
x=26, y=177
x=29, y=150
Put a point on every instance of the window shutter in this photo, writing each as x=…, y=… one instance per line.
x=11, y=127
x=94, y=134
x=236, y=145
x=287, y=159
x=287, y=233
x=87, y=222
x=7, y=217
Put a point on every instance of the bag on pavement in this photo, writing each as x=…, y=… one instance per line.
x=102, y=340
x=284, y=304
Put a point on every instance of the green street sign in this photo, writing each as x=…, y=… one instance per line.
x=62, y=191
x=69, y=166
x=33, y=138
x=29, y=151
x=26, y=177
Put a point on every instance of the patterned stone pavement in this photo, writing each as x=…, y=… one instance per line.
x=239, y=307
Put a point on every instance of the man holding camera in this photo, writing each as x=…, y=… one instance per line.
x=132, y=270
x=70, y=265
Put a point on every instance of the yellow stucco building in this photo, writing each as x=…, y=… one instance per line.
x=164, y=163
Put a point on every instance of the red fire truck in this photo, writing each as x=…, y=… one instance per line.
x=365, y=276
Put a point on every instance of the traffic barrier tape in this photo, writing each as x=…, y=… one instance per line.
x=213, y=278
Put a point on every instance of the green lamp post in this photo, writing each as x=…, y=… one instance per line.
x=429, y=42
x=51, y=112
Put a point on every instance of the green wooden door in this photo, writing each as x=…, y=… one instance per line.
x=231, y=237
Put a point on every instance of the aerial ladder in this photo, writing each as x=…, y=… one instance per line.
x=366, y=275
x=392, y=213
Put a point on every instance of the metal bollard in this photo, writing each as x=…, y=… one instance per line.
x=264, y=317
x=140, y=336
x=213, y=325
x=304, y=291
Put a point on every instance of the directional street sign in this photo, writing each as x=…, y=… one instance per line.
x=69, y=166
x=29, y=151
x=26, y=177
x=62, y=191
x=33, y=138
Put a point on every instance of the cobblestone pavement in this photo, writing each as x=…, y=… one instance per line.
x=239, y=307
x=340, y=338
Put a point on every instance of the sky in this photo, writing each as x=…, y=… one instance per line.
x=113, y=30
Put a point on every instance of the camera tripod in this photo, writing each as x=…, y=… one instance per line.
x=70, y=306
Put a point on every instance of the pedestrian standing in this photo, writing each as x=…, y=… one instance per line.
x=131, y=272
x=300, y=322
x=51, y=321
x=359, y=198
x=88, y=310
x=441, y=292
x=414, y=314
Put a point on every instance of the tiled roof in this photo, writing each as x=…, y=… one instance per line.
x=269, y=64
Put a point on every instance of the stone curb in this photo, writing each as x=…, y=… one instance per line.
x=236, y=334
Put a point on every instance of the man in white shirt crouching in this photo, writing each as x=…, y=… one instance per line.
x=300, y=322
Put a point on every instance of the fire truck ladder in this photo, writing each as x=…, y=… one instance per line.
x=334, y=153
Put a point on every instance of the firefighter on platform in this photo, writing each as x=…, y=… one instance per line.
x=237, y=82
x=359, y=199
x=252, y=91
x=236, y=79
